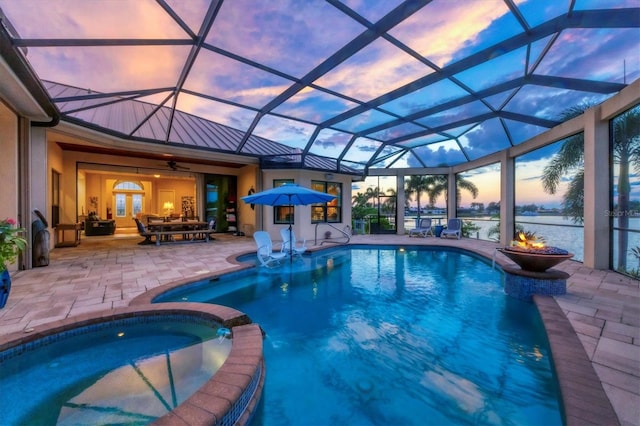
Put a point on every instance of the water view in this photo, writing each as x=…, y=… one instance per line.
x=568, y=235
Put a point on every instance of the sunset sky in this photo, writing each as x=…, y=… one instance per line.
x=278, y=69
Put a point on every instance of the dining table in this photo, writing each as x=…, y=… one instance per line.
x=177, y=225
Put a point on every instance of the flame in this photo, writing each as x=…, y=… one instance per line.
x=528, y=241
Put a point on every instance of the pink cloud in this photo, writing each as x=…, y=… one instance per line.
x=440, y=29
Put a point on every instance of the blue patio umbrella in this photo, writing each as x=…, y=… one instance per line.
x=289, y=194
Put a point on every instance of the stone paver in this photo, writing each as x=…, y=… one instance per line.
x=602, y=307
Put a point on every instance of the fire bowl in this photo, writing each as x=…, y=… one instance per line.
x=534, y=262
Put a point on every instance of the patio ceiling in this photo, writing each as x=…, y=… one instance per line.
x=335, y=85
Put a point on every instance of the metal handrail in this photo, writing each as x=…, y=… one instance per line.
x=345, y=234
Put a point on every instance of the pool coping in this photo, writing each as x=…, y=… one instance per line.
x=239, y=378
x=147, y=298
x=584, y=400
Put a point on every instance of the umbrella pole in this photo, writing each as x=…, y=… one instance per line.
x=290, y=231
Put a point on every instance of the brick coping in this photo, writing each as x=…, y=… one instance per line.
x=584, y=400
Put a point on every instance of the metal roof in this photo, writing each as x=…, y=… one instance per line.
x=329, y=85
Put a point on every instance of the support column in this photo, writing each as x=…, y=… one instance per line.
x=507, y=197
x=596, y=190
x=452, y=195
x=34, y=182
x=400, y=197
x=25, y=187
x=260, y=209
x=39, y=174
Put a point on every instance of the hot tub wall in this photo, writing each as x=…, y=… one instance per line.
x=229, y=397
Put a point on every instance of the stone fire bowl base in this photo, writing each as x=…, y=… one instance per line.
x=524, y=284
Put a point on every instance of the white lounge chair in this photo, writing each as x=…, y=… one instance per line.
x=265, y=252
x=454, y=227
x=290, y=244
x=423, y=229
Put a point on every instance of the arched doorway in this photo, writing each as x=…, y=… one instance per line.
x=127, y=200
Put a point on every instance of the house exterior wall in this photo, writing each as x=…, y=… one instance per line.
x=303, y=227
x=9, y=167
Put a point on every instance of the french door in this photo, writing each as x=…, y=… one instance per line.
x=127, y=205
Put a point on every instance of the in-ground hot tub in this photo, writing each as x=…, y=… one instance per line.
x=135, y=365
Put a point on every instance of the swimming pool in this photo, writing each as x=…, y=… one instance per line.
x=386, y=335
x=131, y=366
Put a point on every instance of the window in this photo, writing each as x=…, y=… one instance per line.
x=331, y=211
x=128, y=186
x=555, y=216
x=283, y=214
x=481, y=213
x=121, y=204
x=137, y=203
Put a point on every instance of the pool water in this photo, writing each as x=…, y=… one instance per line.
x=393, y=336
x=121, y=373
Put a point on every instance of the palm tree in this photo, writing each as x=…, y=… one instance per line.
x=372, y=194
x=626, y=153
x=416, y=185
x=570, y=158
x=467, y=185
x=438, y=185
x=389, y=205
x=359, y=209
x=359, y=199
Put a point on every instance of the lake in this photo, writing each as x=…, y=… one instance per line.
x=557, y=231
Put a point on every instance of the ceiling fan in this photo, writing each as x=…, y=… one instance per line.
x=175, y=166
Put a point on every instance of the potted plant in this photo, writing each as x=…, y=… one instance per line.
x=468, y=228
x=11, y=244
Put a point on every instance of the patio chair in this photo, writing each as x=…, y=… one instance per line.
x=289, y=243
x=142, y=230
x=423, y=229
x=266, y=255
x=454, y=227
x=209, y=230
